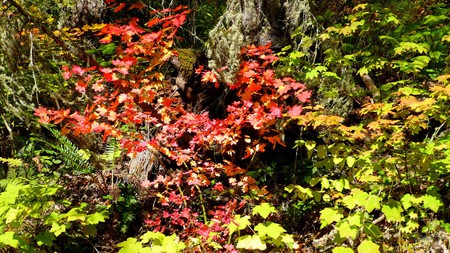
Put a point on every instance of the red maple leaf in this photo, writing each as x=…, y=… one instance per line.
x=304, y=96
x=295, y=111
x=43, y=114
x=178, y=21
x=81, y=86
x=77, y=70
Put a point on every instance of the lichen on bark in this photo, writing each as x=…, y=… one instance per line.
x=255, y=22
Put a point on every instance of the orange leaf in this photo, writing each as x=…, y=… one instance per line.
x=120, y=7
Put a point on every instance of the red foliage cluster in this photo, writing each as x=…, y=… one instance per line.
x=133, y=93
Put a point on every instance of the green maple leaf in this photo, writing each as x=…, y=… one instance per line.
x=131, y=245
x=372, y=202
x=355, y=219
x=393, y=211
x=345, y=230
x=249, y=242
x=239, y=223
x=12, y=214
x=330, y=215
x=96, y=218
x=58, y=229
x=431, y=202
x=11, y=193
x=367, y=246
x=264, y=210
x=7, y=238
x=273, y=230
x=75, y=214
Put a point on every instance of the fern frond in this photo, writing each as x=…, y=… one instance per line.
x=75, y=158
x=12, y=162
x=5, y=182
x=112, y=150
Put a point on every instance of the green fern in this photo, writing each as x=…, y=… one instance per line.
x=16, y=169
x=76, y=159
x=112, y=150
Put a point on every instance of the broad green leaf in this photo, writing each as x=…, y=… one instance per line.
x=372, y=202
x=272, y=230
x=157, y=237
x=321, y=151
x=446, y=38
x=11, y=215
x=310, y=145
x=313, y=181
x=406, y=201
x=58, y=229
x=239, y=223
x=300, y=192
x=96, y=218
x=325, y=183
x=330, y=215
x=341, y=184
x=346, y=30
x=7, y=238
x=337, y=160
x=360, y=196
x=108, y=49
x=264, y=210
x=75, y=214
x=52, y=218
x=131, y=245
x=349, y=201
x=45, y=238
x=288, y=240
x=249, y=242
x=393, y=211
x=372, y=230
x=11, y=193
x=355, y=219
x=341, y=249
x=350, y=161
x=311, y=74
x=431, y=202
x=345, y=230
x=367, y=246
x=48, y=190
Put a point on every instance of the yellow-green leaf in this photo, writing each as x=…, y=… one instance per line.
x=393, y=211
x=264, y=210
x=7, y=238
x=250, y=242
x=341, y=249
x=330, y=215
x=367, y=246
x=372, y=202
x=272, y=230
